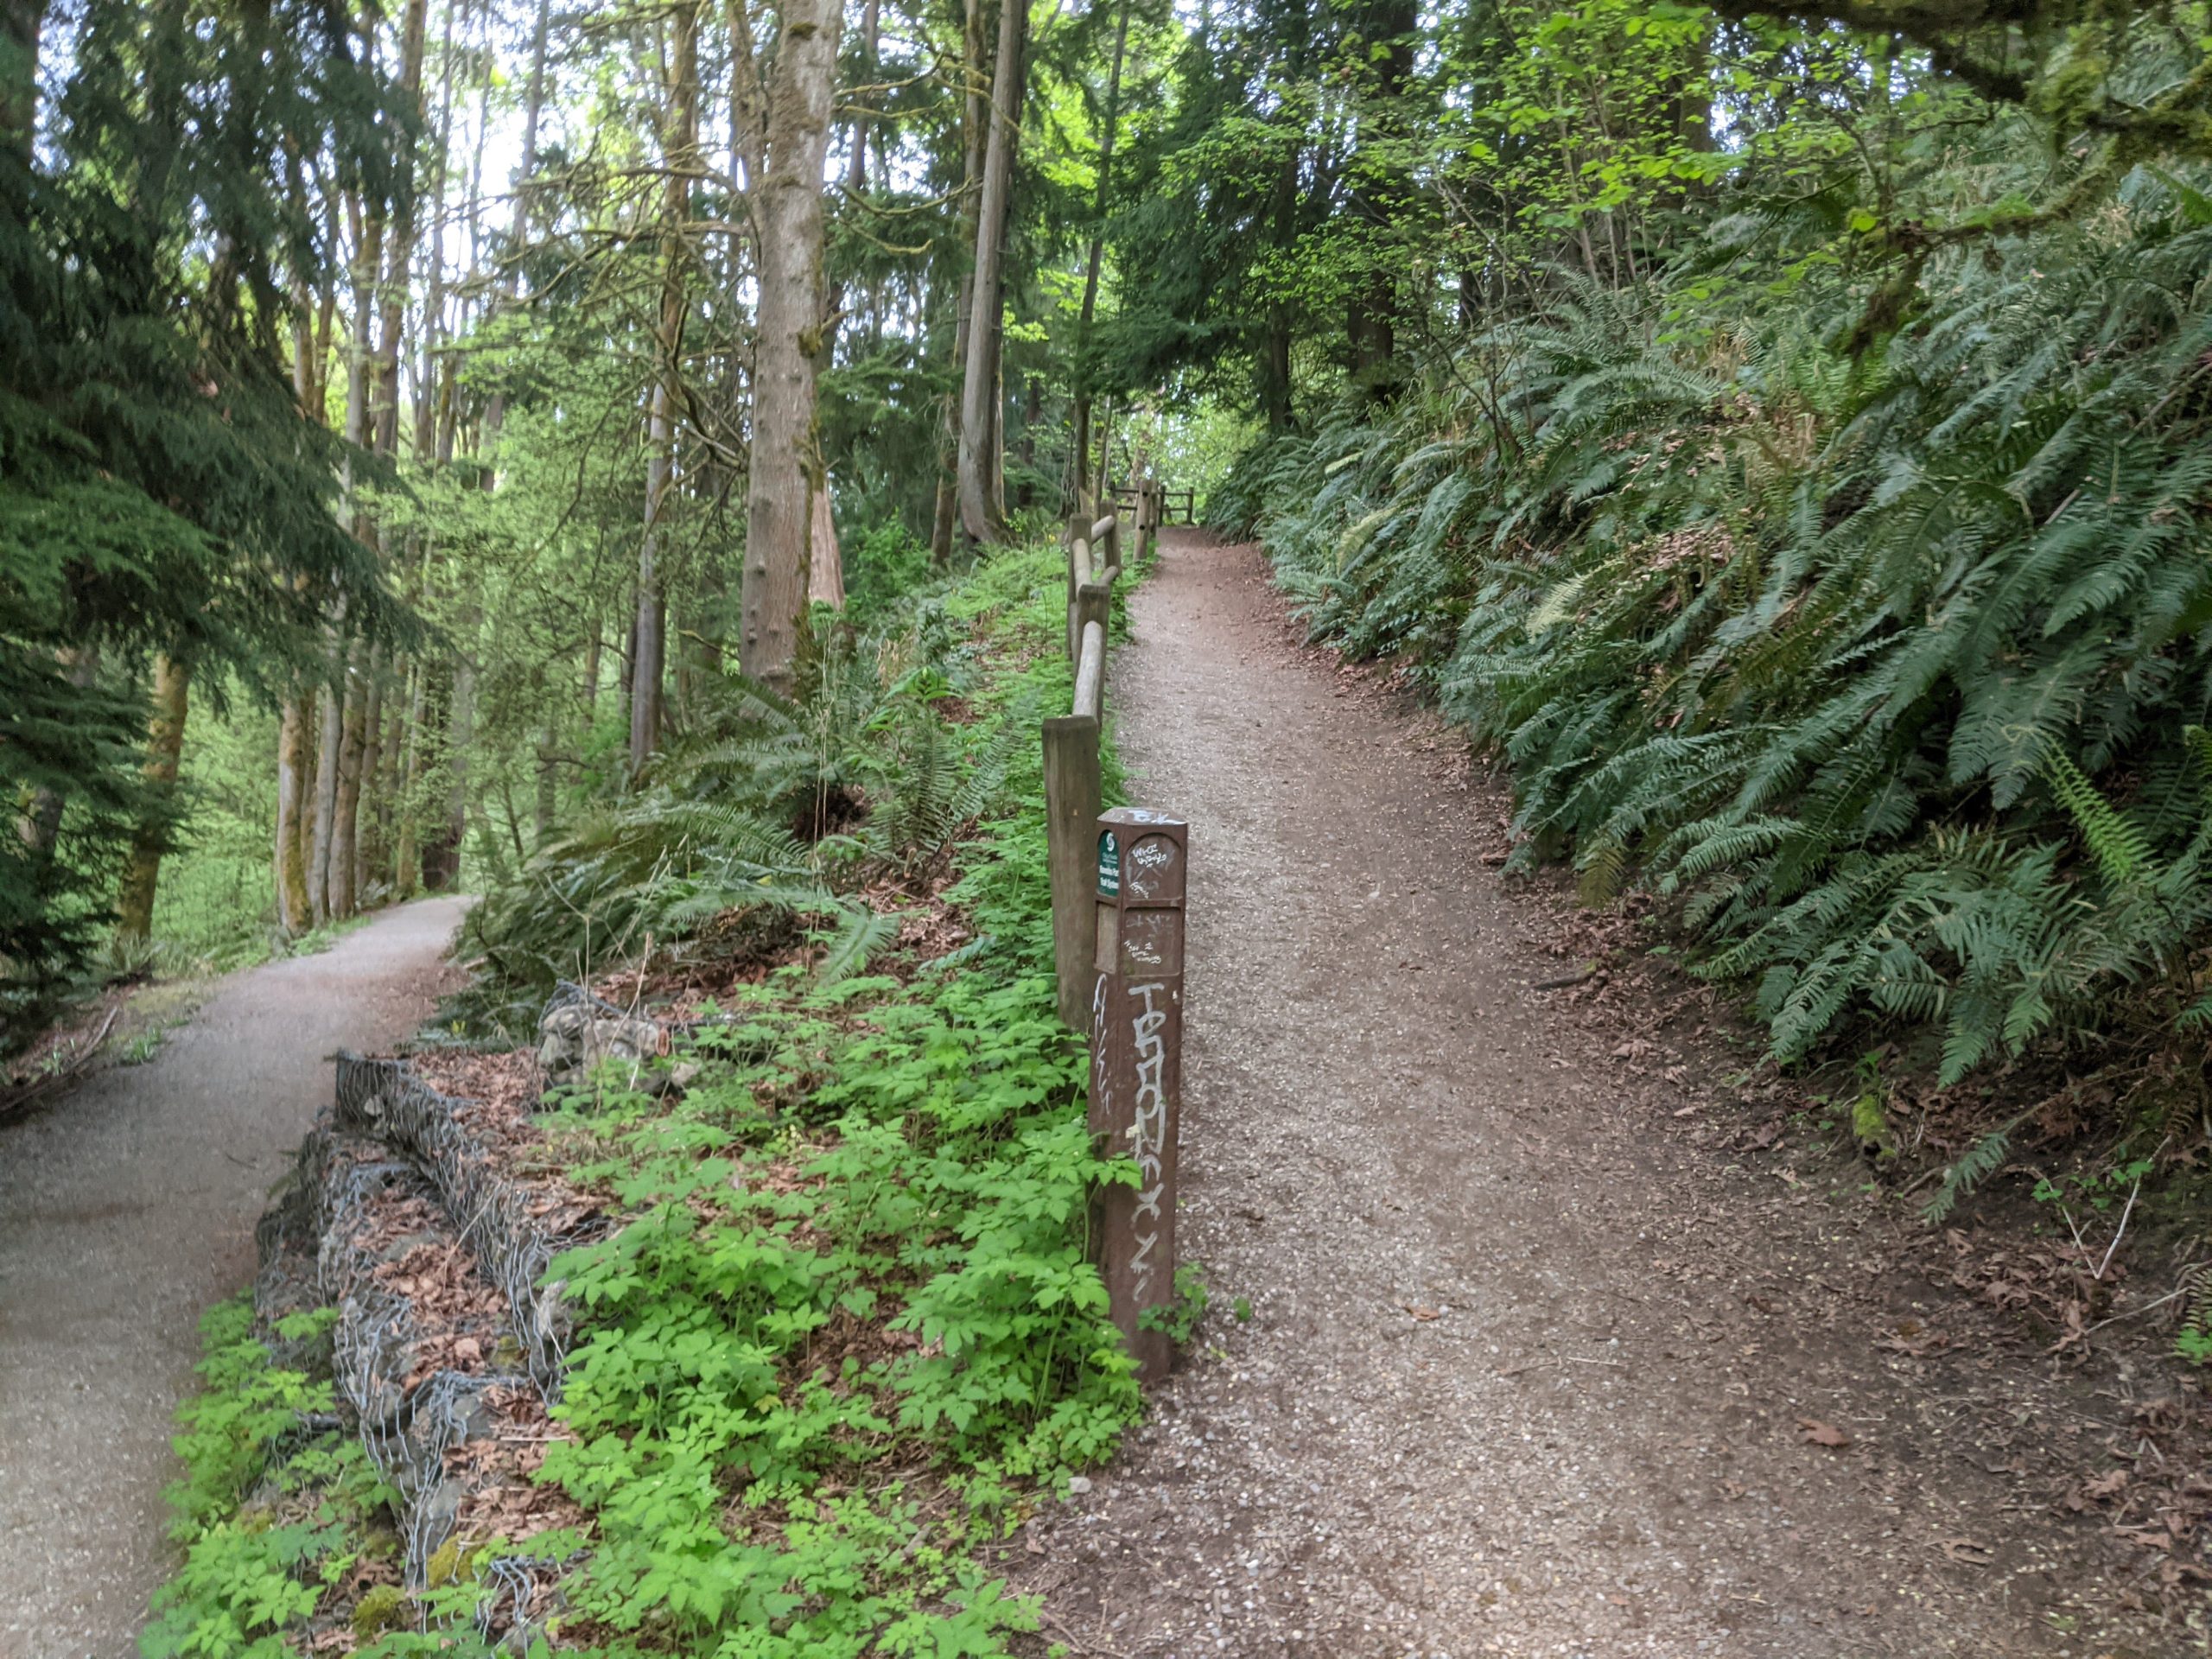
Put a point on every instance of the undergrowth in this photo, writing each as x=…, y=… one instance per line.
x=1887, y=674
x=274, y=1514
x=852, y=1322
x=848, y=1330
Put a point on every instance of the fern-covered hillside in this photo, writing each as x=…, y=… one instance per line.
x=1889, y=669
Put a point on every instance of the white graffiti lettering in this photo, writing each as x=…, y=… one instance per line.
x=1148, y=1131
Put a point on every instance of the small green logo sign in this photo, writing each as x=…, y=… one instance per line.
x=1110, y=865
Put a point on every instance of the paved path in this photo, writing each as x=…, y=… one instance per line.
x=125, y=1208
x=1527, y=1373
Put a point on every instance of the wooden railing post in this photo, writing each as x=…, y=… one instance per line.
x=1137, y=1065
x=1106, y=541
x=1077, y=539
x=1093, y=604
x=1072, y=793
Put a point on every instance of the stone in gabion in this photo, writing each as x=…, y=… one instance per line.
x=575, y=1037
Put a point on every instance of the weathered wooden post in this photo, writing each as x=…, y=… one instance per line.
x=1106, y=541
x=1072, y=791
x=1078, y=540
x=1094, y=602
x=1136, y=1065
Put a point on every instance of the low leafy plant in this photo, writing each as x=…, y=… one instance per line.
x=850, y=1317
x=271, y=1516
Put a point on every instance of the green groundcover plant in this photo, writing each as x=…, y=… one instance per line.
x=846, y=1333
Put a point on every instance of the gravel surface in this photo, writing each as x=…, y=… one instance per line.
x=126, y=1208
x=1526, y=1371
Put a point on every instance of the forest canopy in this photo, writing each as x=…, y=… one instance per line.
x=1774, y=431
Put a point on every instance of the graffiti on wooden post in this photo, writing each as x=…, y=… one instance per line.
x=1137, y=1044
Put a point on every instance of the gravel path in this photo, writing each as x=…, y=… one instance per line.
x=1526, y=1371
x=125, y=1208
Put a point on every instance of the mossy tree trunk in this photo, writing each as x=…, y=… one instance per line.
x=142, y=872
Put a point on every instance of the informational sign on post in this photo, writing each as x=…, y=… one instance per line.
x=1137, y=1065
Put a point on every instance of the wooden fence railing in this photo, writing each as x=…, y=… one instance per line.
x=1072, y=787
x=1166, y=506
x=1117, y=944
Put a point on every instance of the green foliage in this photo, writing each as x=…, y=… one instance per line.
x=1179, y=1317
x=1986, y=1157
x=1888, y=673
x=775, y=808
x=269, y=1514
x=853, y=1271
x=161, y=490
x=882, y=566
x=2193, y=1342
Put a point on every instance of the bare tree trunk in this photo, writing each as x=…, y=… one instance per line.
x=294, y=911
x=787, y=466
x=825, y=579
x=21, y=21
x=680, y=158
x=594, y=644
x=429, y=379
x=326, y=788
x=974, y=132
x=1097, y=249
x=310, y=727
x=346, y=796
x=369, y=846
x=979, y=386
x=495, y=413
x=404, y=854
x=856, y=163
x=385, y=427
x=134, y=909
x=461, y=732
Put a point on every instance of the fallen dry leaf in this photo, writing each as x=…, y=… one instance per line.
x=1820, y=1433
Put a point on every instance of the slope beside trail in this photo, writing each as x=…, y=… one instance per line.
x=1526, y=1372
x=126, y=1208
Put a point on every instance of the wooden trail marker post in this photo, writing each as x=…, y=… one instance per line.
x=1136, y=1065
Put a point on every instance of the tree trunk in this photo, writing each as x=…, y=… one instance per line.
x=21, y=21
x=403, y=837
x=594, y=644
x=548, y=779
x=385, y=427
x=825, y=579
x=979, y=491
x=1381, y=198
x=326, y=788
x=495, y=413
x=310, y=727
x=347, y=797
x=460, y=731
x=856, y=163
x=134, y=909
x=1032, y=415
x=975, y=137
x=294, y=911
x=369, y=847
x=679, y=152
x=1083, y=366
x=787, y=466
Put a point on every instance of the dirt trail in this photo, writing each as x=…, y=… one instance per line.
x=125, y=1210
x=1525, y=1372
